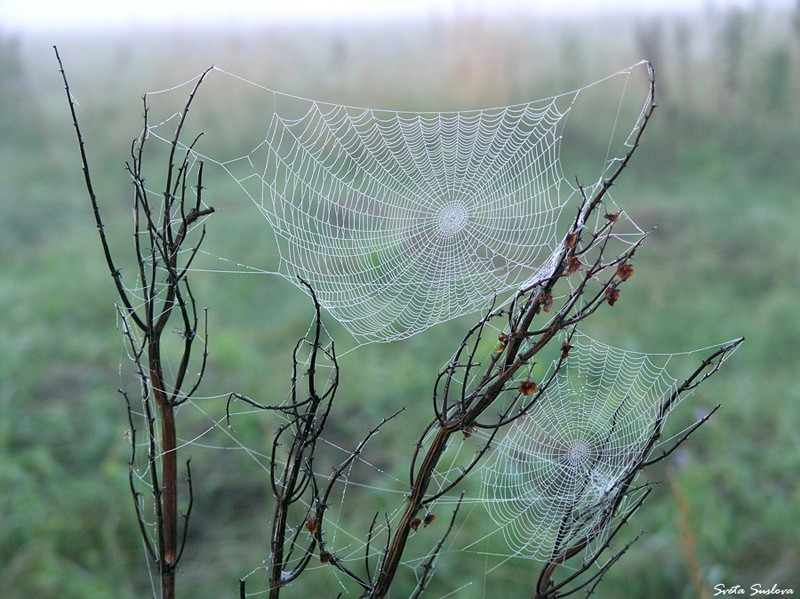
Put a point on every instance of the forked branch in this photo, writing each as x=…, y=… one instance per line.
x=159, y=237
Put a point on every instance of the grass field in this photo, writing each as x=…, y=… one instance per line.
x=717, y=175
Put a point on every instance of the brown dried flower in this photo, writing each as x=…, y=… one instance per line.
x=312, y=524
x=547, y=302
x=573, y=264
x=612, y=295
x=625, y=271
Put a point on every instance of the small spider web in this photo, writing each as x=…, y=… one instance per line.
x=557, y=471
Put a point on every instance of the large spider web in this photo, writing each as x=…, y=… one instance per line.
x=403, y=220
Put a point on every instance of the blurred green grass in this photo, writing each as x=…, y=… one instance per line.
x=717, y=174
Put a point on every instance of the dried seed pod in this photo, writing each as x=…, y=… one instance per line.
x=312, y=524
x=612, y=295
x=547, y=302
x=625, y=271
x=527, y=387
x=565, y=347
x=573, y=264
x=428, y=519
x=612, y=218
x=325, y=556
x=570, y=240
x=415, y=523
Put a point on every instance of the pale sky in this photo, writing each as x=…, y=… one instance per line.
x=18, y=15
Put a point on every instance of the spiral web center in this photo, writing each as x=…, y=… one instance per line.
x=577, y=452
x=452, y=219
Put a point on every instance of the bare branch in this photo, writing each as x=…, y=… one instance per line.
x=188, y=513
x=684, y=437
x=116, y=274
x=134, y=493
x=427, y=566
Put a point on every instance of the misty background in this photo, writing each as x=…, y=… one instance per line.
x=717, y=174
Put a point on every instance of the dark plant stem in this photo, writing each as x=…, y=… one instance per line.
x=158, y=240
